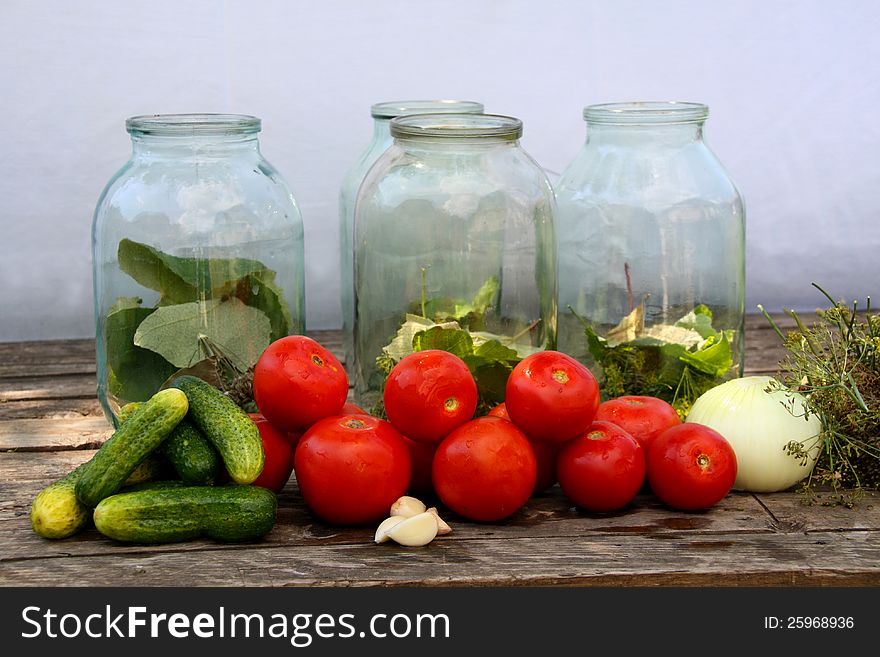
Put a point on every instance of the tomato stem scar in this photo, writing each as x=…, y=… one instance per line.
x=561, y=376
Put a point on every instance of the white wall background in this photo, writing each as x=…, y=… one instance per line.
x=793, y=90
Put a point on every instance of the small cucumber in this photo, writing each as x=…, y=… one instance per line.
x=192, y=456
x=170, y=514
x=130, y=445
x=56, y=512
x=226, y=426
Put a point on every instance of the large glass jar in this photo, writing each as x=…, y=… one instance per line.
x=454, y=249
x=382, y=114
x=197, y=248
x=651, y=258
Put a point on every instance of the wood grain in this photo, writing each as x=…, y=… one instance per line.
x=670, y=560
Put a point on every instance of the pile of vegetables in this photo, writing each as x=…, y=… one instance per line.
x=191, y=462
x=127, y=488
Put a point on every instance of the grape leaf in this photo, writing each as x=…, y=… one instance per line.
x=135, y=374
x=258, y=290
x=493, y=350
x=402, y=344
x=455, y=341
x=467, y=314
x=174, y=332
x=122, y=303
x=699, y=320
x=177, y=279
x=714, y=358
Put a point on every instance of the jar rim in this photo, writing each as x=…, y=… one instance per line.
x=646, y=112
x=193, y=124
x=393, y=108
x=457, y=126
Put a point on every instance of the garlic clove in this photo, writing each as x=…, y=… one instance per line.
x=407, y=507
x=384, y=526
x=442, y=527
x=415, y=531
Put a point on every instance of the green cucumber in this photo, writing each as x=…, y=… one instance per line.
x=56, y=512
x=192, y=456
x=130, y=445
x=226, y=426
x=170, y=514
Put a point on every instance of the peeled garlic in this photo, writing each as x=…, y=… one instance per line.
x=415, y=531
x=388, y=523
x=442, y=527
x=407, y=507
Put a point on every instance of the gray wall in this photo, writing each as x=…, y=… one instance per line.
x=793, y=89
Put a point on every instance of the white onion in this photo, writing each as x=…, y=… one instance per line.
x=758, y=425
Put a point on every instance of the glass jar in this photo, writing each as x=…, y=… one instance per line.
x=454, y=249
x=382, y=114
x=651, y=259
x=197, y=250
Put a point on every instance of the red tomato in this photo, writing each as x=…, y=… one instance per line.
x=278, y=450
x=691, y=466
x=297, y=382
x=644, y=418
x=551, y=396
x=294, y=439
x=545, y=454
x=422, y=456
x=351, y=468
x=602, y=469
x=428, y=394
x=499, y=411
x=352, y=409
x=484, y=470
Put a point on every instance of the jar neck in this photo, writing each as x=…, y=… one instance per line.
x=204, y=147
x=200, y=136
x=672, y=134
x=454, y=146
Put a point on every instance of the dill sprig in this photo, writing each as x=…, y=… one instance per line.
x=835, y=364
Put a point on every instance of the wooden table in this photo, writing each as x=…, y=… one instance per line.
x=50, y=422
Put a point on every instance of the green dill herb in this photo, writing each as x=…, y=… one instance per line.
x=835, y=364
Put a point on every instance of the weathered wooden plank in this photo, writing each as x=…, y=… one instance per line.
x=849, y=558
x=68, y=351
x=53, y=433
x=62, y=386
x=50, y=409
x=790, y=513
x=542, y=516
x=40, y=467
x=46, y=368
x=71, y=357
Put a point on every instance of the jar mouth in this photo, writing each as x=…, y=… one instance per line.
x=457, y=126
x=391, y=109
x=193, y=124
x=646, y=113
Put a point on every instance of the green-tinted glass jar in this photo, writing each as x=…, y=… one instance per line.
x=651, y=258
x=454, y=249
x=382, y=114
x=197, y=248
